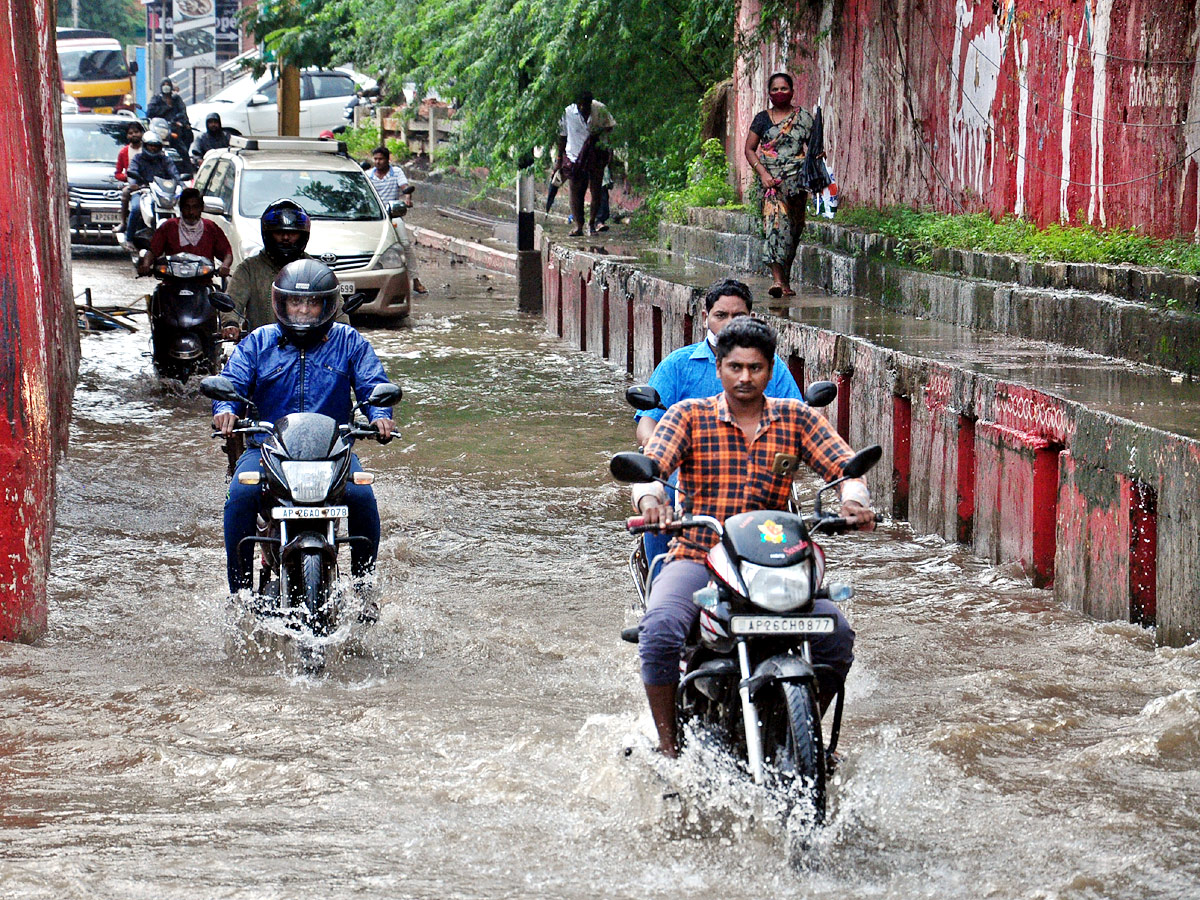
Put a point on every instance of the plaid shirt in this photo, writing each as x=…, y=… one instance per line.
x=723, y=476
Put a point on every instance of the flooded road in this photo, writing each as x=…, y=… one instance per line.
x=474, y=743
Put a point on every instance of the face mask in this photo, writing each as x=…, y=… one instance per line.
x=781, y=98
x=166, y=92
x=712, y=339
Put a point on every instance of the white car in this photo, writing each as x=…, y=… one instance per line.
x=248, y=106
x=353, y=232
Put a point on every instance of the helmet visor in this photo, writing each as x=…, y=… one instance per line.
x=302, y=311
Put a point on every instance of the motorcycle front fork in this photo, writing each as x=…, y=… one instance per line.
x=754, y=749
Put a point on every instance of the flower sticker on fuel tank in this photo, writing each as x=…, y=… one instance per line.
x=772, y=532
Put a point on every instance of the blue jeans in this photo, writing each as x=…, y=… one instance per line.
x=670, y=615
x=241, y=511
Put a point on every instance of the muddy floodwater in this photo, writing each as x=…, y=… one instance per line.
x=488, y=739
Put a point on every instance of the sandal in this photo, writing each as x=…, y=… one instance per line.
x=775, y=290
x=602, y=227
x=578, y=232
x=788, y=292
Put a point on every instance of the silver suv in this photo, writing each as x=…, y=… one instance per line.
x=93, y=192
x=352, y=232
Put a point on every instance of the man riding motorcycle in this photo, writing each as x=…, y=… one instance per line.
x=284, y=227
x=151, y=163
x=304, y=362
x=736, y=452
x=168, y=105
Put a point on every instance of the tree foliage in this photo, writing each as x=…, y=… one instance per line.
x=513, y=65
x=123, y=19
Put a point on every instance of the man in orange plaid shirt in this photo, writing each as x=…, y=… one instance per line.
x=726, y=449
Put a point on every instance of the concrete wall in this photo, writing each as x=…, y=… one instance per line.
x=1047, y=109
x=1096, y=508
x=39, y=341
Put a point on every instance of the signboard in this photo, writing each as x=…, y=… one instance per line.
x=195, y=28
x=228, y=36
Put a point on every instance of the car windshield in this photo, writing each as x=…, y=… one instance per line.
x=94, y=141
x=324, y=195
x=92, y=65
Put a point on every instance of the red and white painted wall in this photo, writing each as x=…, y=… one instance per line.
x=1096, y=508
x=1052, y=110
x=39, y=342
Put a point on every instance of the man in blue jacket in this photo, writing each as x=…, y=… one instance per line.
x=691, y=372
x=305, y=362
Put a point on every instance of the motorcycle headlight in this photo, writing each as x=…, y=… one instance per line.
x=779, y=590
x=391, y=258
x=309, y=482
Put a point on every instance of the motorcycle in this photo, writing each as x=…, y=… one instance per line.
x=184, y=330
x=159, y=202
x=305, y=470
x=818, y=395
x=748, y=674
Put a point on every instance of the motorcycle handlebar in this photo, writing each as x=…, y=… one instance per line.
x=370, y=431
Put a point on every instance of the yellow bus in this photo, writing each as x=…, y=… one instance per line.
x=93, y=69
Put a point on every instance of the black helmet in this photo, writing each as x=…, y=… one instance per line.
x=284, y=216
x=305, y=279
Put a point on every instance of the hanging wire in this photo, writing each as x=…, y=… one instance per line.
x=1051, y=102
x=1144, y=62
x=1000, y=137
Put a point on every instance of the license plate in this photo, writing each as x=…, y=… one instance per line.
x=346, y=287
x=781, y=625
x=102, y=110
x=106, y=218
x=310, y=512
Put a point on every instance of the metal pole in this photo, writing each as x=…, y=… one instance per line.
x=529, y=258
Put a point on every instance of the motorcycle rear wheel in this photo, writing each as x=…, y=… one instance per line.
x=792, y=740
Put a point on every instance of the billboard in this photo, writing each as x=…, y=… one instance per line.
x=195, y=33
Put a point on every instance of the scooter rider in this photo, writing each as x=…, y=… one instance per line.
x=213, y=137
x=151, y=163
x=284, y=227
x=305, y=361
x=728, y=450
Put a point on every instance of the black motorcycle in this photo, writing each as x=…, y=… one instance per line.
x=185, y=335
x=749, y=678
x=302, y=518
x=159, y=202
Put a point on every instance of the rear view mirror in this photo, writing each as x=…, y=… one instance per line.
x=218, y=387
x=862, y=462
x=408, y=189
x=633, y=467
x=259, y=100
x=353, y=302
x=396, y=209
x=643, y=397
x=221, y=301
x=214, y=205
x=820, y=393
x=385, y=395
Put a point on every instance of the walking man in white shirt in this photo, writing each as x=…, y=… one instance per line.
x=580, y=156
x=389, y=181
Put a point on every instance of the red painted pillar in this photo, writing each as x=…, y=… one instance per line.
x=1143, y=554
x=966, y=479
x=842, y=379
x=39, y=342
x=796, y=367
x=1045, y=513
x=901, y=455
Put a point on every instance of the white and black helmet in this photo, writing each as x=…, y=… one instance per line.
x=314, y=282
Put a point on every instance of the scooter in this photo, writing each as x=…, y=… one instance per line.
x=748, y=675
x=184, y=330
x=302, y=519
x=159, y=201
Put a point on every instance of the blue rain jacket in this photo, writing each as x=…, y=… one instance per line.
x=280, y=378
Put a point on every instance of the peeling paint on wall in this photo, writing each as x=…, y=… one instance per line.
x=1082, y=117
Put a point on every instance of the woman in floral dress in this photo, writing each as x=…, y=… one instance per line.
x=775, y=149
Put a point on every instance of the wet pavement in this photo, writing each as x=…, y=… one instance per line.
x=474, y=743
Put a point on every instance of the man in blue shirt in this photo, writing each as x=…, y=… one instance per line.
x=691, y=372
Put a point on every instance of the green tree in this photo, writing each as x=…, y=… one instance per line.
x=513, y=65
x=123, y=19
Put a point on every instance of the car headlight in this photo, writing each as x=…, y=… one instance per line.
x=308, y=481
x=779, y=589
x=391, y=258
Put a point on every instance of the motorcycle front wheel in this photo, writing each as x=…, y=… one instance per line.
x=792, y=742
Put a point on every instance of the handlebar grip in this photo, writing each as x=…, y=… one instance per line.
x=635, y=522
